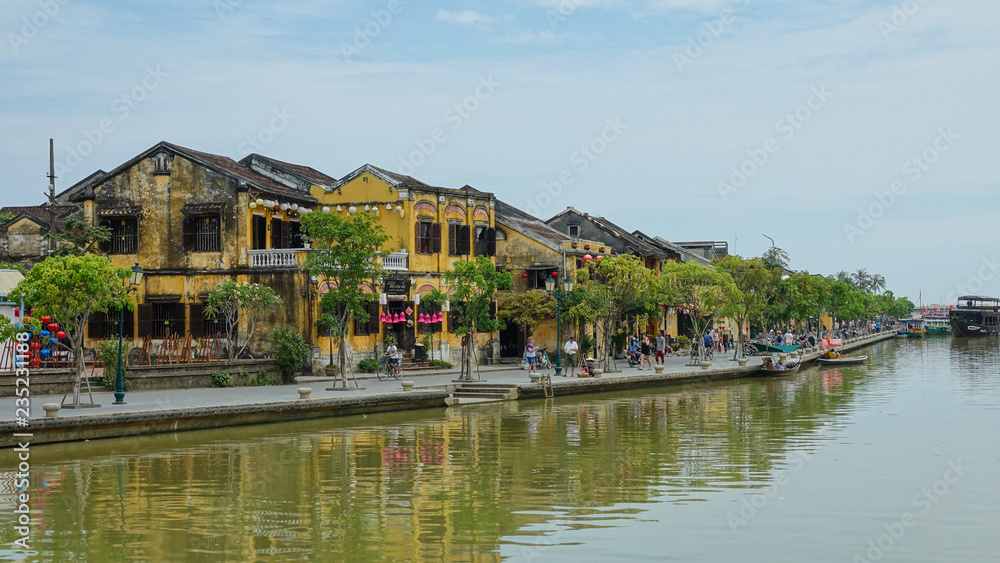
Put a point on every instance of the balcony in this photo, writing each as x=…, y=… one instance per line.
x=397, y=261
x=274, y=257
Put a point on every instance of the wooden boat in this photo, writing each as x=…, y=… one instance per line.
x=850, y=360
x=763, y=348
x=780, y=372
x=911, y=328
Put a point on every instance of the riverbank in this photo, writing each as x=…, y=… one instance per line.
x=159, y=411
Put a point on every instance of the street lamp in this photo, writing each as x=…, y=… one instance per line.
x=567, y=287
x=133, y=285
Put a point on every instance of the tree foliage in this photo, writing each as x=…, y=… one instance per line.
x=702, y=291
x=240, y=303
x=289, y=351
x=526, y=309
x=755, y=283
x=80, y=237
x=347, y=256
x=69, y=289
x=474, y=285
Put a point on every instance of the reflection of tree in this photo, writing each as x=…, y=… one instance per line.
x=412, y=486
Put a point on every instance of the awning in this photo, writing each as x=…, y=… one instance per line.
x=202, y=208
x=130, y=210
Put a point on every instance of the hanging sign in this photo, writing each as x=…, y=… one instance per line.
x=396, y=286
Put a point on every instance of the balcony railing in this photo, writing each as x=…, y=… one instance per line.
x=273, y=257
x=397, y=261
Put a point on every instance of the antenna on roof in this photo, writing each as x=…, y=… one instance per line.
x=52, y=197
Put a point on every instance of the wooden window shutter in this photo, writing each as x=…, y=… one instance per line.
x=187, y=232
x=95, y=325
x=452, y=239
x=360, y=328
x=104, y=245
x=436, y=238
x=464, y=240
x=196, y=313
x=144, y=314
x=373, y=323
x=129, y=325
x=491, y=242
x=276, y=233
x=286, y=234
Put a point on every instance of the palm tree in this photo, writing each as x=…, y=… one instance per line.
x=844, y=277
x=862, y=280
x=878, y=283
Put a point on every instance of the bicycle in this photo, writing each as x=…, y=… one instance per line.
x=543, y=359
x=388, y=368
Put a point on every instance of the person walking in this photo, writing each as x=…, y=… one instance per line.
x=645, y=353
x=661, y=342
x=789, y=337
x=529, y=353
x=570, y=349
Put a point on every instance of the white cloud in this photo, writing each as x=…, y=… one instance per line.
x=465, y=17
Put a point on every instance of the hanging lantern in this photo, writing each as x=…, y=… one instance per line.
x=599, y=257
x=17, y=312
x=388, y=207
x=294, y=206
x=283, y=206
x=555, y=274
x=44, y=352
x=60, y=335
x=381, y=317
x=326, y=209
x=253, y=205
x=435, y=318
x=368, y=207
x=402, y=316
x=587, y=258
x=52, y=327
x=352, y=209
x=44, y=333
x=524, y=275
x=259, y=201
x=45, y=320
x=395, y=317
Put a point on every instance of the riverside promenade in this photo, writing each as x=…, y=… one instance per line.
x=172, y=410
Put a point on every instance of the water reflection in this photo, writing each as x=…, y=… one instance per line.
x=457, y=484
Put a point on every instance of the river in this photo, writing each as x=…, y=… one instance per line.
x=897, y=460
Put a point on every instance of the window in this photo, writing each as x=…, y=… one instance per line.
x=371, y=326
x=124, y=237
x=459, y=239
x=455, y=316
x=536, y=278
x=259, y=241
x=486, y=241
x=105, y=325
x=200, y=325
x=294, y=235
x=574, y=231
x=281, y=233
x=428, y=237
x=160, y=320
x=202, y=233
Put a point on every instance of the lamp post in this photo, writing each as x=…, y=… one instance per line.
x=567, y=287
x=133, y=285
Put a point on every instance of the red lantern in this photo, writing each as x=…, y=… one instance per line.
x=525, y=275
x=587, y=257
x=599, y=257
x=662, y=305
x=17, y=312
x=32, y=311
x=46, y=320
x=52, y=327
x=60, y=335
x=555, y=274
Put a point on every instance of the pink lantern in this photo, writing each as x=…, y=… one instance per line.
x=402, y=316
x=435, y=318
x=395, y=317
x=422, y=318
x=381, y=317
x=587, y=258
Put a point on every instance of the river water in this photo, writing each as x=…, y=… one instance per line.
x=898, y=460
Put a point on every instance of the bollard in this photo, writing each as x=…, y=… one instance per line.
x=51, y=409
x=407, y=385
x=304, y=392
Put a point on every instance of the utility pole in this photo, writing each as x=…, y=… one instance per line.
x=52, y=198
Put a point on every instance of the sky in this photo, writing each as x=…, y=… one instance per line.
x=856, y=134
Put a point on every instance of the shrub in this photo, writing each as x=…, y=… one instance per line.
x=221, y=379
x=261, y=380
x=107, y=354
x=683, y=340
x=289, y=351
x=439, y=364
x=368, y=365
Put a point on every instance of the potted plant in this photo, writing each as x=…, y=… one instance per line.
x=331, y=370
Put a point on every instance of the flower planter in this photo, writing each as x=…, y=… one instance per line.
x=330, y=372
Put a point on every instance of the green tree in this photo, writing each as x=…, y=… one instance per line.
x=704, y=292
x=240, y=303
x=69, y=289
x=80, y=237
x=524, y=310
x=775, y=258
x=289, y=351
x=474, y=286
x=347, y=256
x=755, y=283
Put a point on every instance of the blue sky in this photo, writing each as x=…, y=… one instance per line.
x=857, y=134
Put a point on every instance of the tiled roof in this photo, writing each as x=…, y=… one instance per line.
x=309, y=173
x=402, y=181
x=117, y=211
x=40, y=214
x=210, y=207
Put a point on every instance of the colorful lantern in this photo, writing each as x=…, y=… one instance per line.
x=44, y=333
x=17, y=312
x=524, y=275
x=395, y=317
x=381, y=317
x=587, y=258
x=46, y=320
x=44, y=352
x=402, y=316
x=555, y=274
x=52, y=327
x=422, y=318
x=60, y=335
x=599, y=257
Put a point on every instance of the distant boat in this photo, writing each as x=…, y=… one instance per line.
x=975, y=316
x=936, y=323
x=911, y=328
x=850, y=360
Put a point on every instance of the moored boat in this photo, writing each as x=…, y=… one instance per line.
x=845, y=361
x=936, y=323
x=975, y=316
x=770, y=369
x=911, y=328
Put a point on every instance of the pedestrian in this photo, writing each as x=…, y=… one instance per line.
x=645, y=352
x=789, y=337
x=571, y=349
x=590, y=366
x=779, y=340
x=529, y=353
x=661, y=342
